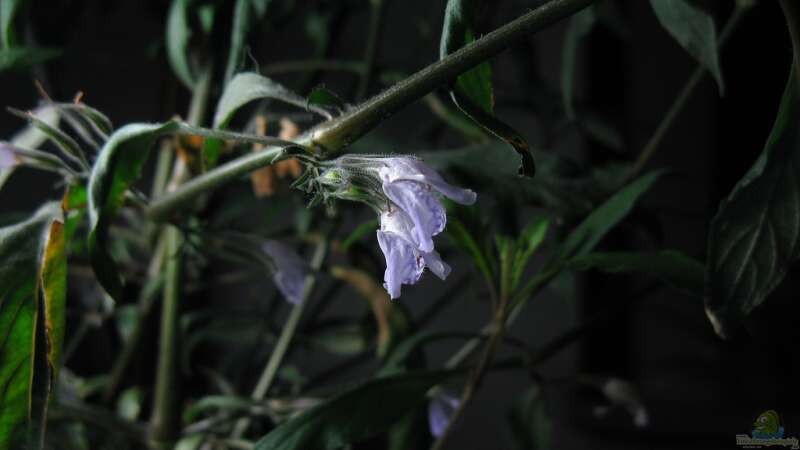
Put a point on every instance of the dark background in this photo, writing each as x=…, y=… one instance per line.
x=700, y=391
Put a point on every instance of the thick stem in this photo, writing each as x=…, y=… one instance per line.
x=284, y=340
x=338, y=133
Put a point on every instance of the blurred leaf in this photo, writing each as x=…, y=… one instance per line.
x=579, y=27
x=8, y=11
x=472, y=90
x=129, y=404
x=118, y=165
x=342, y=340
x=530, y=425
x=694, y=30
x=246, y=14
x=247, y=87
x=527, y=243
x=753, y=239
x=354, y=415
x=322, y=98
x=411, y=432
x=362, y=230
x=69, y=148
x=30, y=137
x=228, y=403
x=397, y=360
x=671, y=267
x=23, y=57
x=460, y=236
x=583, y=238
x=179, y=33
x=32, y=296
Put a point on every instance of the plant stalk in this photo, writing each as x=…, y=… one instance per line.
x=335, y=134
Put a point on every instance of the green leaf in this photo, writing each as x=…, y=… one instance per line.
x=472, y=90
x=579, y=27
x=8, y=11
x=354, y=415
x=24, y=57
x=531, y=427
x=585, y=236
x=179, y=34
x=694, y=30
x=69, y=148
x=32, y=297
x=754, y=237
x=30, y=137
x=672, y=267
x=459, y=234
x=246, y=13
x=247, y=87
x=529, y=241
x=325, y=99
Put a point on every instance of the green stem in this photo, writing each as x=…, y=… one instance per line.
x=165, y=420
x=680, y=101
x=375, y=25
x=284, y=340
x=791, y=10
x=340, y=132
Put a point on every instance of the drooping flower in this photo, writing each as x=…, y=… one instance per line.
x=289, y=271
x=405, y=192
x=440, y=411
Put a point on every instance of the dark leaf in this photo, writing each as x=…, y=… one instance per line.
x=671, y=267
x=754, y=237
x=579, y=27
x=246, y=14
x=694, y=30
x=178, y=35
x=585, y=236
x=354, y=415
x=472, y=90
x=25, y=57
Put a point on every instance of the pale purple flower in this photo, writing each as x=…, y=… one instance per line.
x=440, y=411
x=289, y=271
x=409, y=183
x=405, y=262
x=414, y=216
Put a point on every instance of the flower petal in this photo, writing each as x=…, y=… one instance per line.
x=404, y=265
x=413, y=169
x=440, y=410
x=434, y=262
x=425, y=211
x=289, y=271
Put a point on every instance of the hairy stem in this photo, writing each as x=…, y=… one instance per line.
x=335, y=134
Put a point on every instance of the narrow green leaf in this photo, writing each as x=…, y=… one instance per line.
x=354, y=415
x=179, y=33
x=69, y=148
x=755, y=236
x=32, y=294
x=459, y=234
x=694, y=30
x=579, y=27
x=18, y=58
x=246, y=14
x=30, y=137
x=672, y=267
x=529, y=241
x=472, y=91
x=531, y=427
x=585, y=236
x=8, y=11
